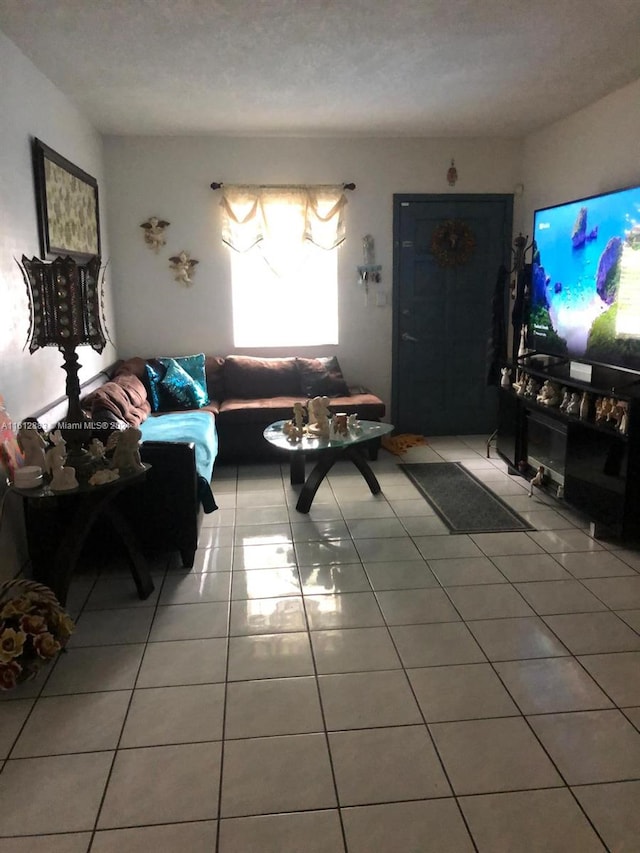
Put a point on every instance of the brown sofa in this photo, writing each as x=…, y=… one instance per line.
x=247, y=393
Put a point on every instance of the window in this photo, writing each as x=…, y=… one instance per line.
x=284, y=265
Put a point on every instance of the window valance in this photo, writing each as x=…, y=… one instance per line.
x=269, y=216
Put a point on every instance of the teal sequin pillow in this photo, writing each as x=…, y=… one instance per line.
x=194, y=366
x=183, y=387
x=154, y=378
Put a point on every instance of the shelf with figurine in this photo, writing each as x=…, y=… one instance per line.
x=567, y=398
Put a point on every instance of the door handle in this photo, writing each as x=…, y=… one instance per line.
x=407, y=337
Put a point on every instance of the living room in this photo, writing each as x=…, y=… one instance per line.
x=579, y=153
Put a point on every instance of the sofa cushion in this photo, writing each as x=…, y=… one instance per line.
x=249, y=378
x=188, y=393
x=321, y=377
x=263, y=410
x=193, y=365
x=214, y=375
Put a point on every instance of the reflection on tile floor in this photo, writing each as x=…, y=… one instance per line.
x=356, y=680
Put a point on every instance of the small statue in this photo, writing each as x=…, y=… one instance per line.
x=183, y=266
x=33, y=446
x=603, y=409
x=623, y=423
x=97, y=449
x=126, y=456
x=519, y=384
x=62, y=478
x=537, y=479
x=505, y=382
x=318, y=409
x=574, y=404
x=522, y=351
x=353, y=424
x=298, y=415
x=549, y=394
x=566, y=399
x=584, y=407
x=154, y=232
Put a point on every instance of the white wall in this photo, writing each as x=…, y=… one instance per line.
x=595, y=150
x=170, y=178
x=31, y=106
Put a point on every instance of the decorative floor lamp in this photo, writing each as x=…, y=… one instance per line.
x=65, y=312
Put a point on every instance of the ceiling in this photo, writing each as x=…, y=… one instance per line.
x=455, y=68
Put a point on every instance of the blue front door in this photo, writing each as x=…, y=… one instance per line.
x=443, y=313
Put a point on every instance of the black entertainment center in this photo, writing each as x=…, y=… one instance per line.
x=571, y=407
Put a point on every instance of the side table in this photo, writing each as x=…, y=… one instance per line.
x=58, y=524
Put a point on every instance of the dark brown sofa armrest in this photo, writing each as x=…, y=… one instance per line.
x=166, y=513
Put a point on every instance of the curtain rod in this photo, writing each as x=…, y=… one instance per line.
x=216, y=185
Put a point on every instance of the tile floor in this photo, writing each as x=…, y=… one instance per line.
x=356, y=680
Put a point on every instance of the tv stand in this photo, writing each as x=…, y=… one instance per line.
x=590, y=453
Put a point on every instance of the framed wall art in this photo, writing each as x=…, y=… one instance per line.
x=67, y=205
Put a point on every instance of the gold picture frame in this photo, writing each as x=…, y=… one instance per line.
x=67, y=205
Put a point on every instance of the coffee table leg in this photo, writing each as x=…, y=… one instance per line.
x=296, y=467
x=322, y=468
x=361, y=464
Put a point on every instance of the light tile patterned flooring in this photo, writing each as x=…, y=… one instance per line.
x=356, y=680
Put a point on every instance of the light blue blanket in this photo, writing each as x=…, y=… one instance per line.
x=198, y=427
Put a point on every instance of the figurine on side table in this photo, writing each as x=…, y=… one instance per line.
x=62, y=478
x=126, y=456
x=33, y=446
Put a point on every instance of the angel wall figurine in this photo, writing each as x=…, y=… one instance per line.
x=154, y=232
x=183, y=266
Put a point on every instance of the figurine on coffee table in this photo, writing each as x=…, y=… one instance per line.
x=319, y=417
x=33, y=446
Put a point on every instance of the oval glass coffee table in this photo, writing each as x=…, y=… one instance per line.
x=328, y=451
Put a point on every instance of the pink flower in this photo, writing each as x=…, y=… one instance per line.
x=46, y=645
x=9, y=673
x=32, y=624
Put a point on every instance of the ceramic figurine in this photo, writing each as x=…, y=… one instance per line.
x=574, y=404
x=183, y=266
x=584, y=407
x=537, y=480
x=566, y=399
x=62, y=478
x=126, y=456
x=298, y=415
x=522, y=351
x=624, y=418
x=96, y=449
x=319, y=410
x=505, y=382
x=33, y=446
x=154, y=232
x=353, y=423
x=549, y=394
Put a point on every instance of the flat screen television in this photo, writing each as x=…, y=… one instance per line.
x=585, y=280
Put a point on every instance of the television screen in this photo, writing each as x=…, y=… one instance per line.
x=585, y=280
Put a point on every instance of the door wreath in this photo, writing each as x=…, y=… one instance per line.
x=452, y=243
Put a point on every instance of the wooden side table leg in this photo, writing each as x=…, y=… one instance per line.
x=139, y=569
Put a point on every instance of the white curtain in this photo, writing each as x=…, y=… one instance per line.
x=282, y=221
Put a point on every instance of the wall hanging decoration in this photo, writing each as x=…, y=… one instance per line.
x=154, y=229
x=184, y=267
x=452, y=174
x=67, y=205
x=369, y=272
x=452, y=243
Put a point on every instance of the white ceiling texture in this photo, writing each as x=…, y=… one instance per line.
x=454, y=68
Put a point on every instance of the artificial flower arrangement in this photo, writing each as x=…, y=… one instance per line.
x=34, y=628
